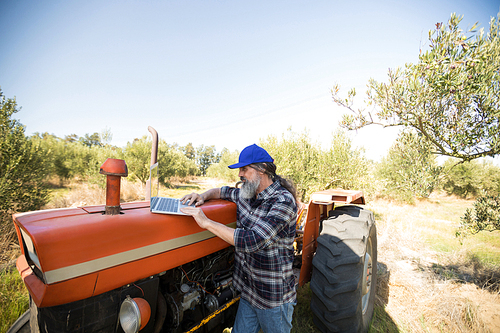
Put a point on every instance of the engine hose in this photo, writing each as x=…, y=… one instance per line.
x=225, y=271
x=213, y=314
x=222, y=277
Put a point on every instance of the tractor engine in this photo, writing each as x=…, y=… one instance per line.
x=197, y=289
x=195, y=297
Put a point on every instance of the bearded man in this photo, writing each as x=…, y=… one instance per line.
x=263, y=241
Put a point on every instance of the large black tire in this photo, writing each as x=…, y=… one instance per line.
x=344, y=275
x=22, y=324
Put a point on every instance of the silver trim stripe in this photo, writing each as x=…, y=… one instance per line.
x=69, y=272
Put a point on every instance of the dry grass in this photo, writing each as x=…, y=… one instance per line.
x=77, y=194
x=9, y=249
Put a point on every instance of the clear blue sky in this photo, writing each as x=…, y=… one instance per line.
x=223, y=73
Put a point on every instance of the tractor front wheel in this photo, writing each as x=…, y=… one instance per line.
x=22, y=324
x=344, y=275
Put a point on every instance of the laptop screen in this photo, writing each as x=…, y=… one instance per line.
x=154, y=180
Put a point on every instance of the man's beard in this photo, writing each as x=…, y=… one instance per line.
x=249, y=188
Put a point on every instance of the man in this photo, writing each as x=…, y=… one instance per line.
x=263, y=241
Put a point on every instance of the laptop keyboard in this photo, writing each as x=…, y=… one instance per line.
x=167, y=204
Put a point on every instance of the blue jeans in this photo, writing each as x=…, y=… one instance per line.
x=251, y=320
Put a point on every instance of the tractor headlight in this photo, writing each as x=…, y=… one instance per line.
x=134, y=314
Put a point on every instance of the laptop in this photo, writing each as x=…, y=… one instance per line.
x=162, y=205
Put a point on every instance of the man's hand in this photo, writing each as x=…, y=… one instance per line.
x=194, y=199
x=198, y=216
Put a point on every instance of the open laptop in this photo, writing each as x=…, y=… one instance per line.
x=162, y=205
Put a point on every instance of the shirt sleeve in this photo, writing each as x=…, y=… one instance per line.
x=276, y=224
x=229, y=193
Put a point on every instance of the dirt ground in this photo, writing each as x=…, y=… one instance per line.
x=423, y=291
x=415, y=296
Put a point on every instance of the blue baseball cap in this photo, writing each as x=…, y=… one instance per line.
x=252, y=154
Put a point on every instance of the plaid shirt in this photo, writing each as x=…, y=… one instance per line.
x=263, y=240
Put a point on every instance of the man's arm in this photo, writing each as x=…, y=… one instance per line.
x=218, y=229
x=195, y=200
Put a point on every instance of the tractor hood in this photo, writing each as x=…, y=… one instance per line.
x=85, y=245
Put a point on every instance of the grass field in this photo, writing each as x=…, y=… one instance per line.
x=428, y=280
x=14, y=298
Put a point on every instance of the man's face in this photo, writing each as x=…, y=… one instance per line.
x=251, y=181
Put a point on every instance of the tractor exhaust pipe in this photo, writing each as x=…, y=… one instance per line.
x=114, y=169
x=154, y=148
x=154, y=159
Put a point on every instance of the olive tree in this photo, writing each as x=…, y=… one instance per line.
x=172, y=162
x=484, y=217
x=22, y=167
x=189, y=151
x=73, y=158
x=470, y=179
x=409, y=170
x=451, y=96
x=220, y=169
x=299, y=159
x=137, y=156
x=313, y=168
x=206, y=156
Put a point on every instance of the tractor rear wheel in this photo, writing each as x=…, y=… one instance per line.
x=344, y=275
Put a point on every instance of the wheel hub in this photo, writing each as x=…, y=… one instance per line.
x=367, y=278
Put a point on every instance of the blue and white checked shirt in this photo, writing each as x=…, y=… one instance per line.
x=263, y=239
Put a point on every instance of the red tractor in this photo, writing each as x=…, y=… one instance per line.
x=120, y=268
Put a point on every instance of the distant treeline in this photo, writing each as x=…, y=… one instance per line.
x=81, y=157
x=409, y=170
